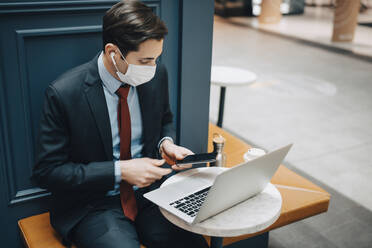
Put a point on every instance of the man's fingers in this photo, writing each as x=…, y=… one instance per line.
x=163, y=171
x=187, y=151
x=160, y=171
x=167, y=154
x=157, y=162
x=176, y=167
x=168, y=159
x=152, y=176
x=176, y=153
x=181, y=167
x=180, y=154
x=144, y=185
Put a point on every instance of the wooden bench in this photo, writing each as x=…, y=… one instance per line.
x=301, y=199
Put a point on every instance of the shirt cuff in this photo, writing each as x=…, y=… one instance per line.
x=117, y=172
x=165, y=138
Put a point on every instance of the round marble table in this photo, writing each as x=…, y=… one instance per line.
x=250, y=216
x=229, y=76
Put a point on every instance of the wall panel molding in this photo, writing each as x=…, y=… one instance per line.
x=51, y=6
x=28, y=194
x=15, y=195
x=5, y=153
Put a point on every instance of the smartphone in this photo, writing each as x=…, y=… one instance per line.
x=197, y=158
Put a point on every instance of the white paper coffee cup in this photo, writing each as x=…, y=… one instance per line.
x=253, y=153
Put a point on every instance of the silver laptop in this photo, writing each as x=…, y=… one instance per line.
x=204, y=194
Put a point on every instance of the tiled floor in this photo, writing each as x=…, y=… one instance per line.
x=316, y=26
x=346, y=224
x=322, y=102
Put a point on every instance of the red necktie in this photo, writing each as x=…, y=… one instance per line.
x=128, y=200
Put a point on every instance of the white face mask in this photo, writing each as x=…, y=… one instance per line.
x=136, y=74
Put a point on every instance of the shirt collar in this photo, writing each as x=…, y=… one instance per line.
x=111, y=83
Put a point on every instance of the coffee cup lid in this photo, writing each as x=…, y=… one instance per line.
x=256, y=152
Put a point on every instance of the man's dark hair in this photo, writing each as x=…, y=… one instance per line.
x=129, y=23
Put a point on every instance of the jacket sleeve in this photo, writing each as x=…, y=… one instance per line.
x=53, y=169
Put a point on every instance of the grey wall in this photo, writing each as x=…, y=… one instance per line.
x=195, y=63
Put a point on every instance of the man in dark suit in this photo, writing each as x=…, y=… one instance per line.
x=105, y=125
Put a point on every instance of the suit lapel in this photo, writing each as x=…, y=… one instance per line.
x=98, y=106
x=143, y=96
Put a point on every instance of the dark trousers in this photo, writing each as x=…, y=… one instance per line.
x=107, y=227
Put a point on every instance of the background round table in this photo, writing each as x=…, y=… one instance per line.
x=225, y=76
x=250, y=216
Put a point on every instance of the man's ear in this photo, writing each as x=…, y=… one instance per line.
x=109, y=47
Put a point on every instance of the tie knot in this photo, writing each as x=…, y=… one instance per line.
x=123, y=91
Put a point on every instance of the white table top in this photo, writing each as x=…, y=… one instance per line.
x=250, y=216
x=231, y=76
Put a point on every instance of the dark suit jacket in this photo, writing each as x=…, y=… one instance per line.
x=74, y=158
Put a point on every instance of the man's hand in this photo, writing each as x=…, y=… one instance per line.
x=142, y=171
x=171, y=152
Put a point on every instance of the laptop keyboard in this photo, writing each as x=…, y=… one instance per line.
x=190, y=204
